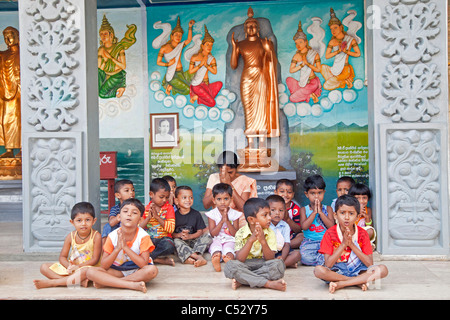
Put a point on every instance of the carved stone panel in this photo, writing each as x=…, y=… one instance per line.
x=409, y=132
x=411, y=90
x=414, y=189
x=411, y=81
x=59, y=117
x=54, y=183
x=51, y=43
x=409, y=26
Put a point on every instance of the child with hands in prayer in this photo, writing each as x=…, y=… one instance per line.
x=255, y=264
x=315, y=219
x=347, y=252
x=223, y=222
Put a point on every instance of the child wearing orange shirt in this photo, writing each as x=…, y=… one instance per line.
x=126, y=261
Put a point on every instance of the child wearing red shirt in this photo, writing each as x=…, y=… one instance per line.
x=347, y=251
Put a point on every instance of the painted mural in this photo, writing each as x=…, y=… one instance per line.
x=321, y=86
x=178, y=64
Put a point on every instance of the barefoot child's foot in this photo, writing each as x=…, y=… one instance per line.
x=189, y=261
x=120, y=92
x=194, y=98
x=228, y=257
x=139, y=286
x=235, y=284
x=276, y=285
x=332, y=287
x=40, y=284
x=200, y=262
x=166, y=260
x=215, y=259
x=84, y=283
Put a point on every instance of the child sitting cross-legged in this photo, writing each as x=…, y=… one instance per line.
x=255, y=264
x=126, y=261
x=347, y=251
x=223, y=222
x=82, y=249
x=190, y=237
x=123, y=190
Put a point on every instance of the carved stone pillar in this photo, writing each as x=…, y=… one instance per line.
x=408, y=110
x=58, y=41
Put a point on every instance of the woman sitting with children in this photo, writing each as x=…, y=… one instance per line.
x=243, y=186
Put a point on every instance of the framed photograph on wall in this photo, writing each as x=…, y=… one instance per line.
x=164, y=129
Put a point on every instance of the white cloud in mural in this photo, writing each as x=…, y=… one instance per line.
x=303, y=109
x=221, y=112
x=180, y=101
x=289, y=109
x=113, y=107
x=325, y=104
x=316, y=110
x=349, y=95
x=155, y=85
x=358, y=84
x=335, y=96
x=189, y=111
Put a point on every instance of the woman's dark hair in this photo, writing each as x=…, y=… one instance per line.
x=228, y=158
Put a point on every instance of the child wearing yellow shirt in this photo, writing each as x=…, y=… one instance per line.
x=255, y=246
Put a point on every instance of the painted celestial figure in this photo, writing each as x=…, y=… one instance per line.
x=341, y=47
x=306, y=61
x=112, y=61
x=200, y=65
x=176, y=81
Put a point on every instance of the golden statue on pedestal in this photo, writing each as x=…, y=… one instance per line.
x=259, y=94
x=10, y=115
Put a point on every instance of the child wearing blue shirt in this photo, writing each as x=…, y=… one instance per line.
x=315, y=219
x=123, y=190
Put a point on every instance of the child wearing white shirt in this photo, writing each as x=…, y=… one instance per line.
x=278, y=213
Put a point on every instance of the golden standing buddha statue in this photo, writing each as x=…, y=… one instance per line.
x=10, y=115
x=259, y=91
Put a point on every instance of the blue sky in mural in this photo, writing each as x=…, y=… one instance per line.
x=348, y=106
